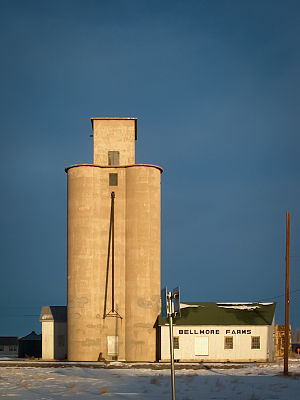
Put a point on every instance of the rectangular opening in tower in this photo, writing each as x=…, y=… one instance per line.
x=113, y=179
x=113, y=158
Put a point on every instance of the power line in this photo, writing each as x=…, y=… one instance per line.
x=277, y=297
x=19, y=316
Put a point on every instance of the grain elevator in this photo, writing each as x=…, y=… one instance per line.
x=114, y=245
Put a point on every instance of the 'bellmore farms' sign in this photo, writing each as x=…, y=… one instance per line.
x=214, y=332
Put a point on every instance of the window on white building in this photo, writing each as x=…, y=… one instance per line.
x=228, y=342
x=176, y=342
x=1, y=347
x=255, y=342
x=201, y=346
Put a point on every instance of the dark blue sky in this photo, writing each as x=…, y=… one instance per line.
x=215, y=87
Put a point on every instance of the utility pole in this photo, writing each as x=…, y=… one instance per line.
x=287, y=297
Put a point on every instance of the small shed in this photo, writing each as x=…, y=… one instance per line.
x=30, y=346
x=54, y=332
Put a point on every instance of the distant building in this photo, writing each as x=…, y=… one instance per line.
x=9, y=345
x=296, y=349
x=296, y=336
x=296, y=342
x=30, y=346
x=220, y=332
x=54, y=332
x=279, y=335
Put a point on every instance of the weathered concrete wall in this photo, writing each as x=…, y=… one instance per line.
x=142, y=262
x=114, y=135
x=89, y=200
x=137, y=261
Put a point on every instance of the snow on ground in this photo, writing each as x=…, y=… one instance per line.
x=252, y=382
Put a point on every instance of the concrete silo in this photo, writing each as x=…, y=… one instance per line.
x=113, y=249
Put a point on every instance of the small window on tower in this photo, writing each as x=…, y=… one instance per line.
x=113, y=179
x=113, y=158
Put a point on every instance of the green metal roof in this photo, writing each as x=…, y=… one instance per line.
x=224, y=314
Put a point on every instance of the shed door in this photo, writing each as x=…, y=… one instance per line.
x=201, y=346
x=112, y=345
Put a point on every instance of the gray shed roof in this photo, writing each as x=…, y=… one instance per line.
x=54, y=313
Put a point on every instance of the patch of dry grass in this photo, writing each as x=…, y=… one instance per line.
x=155, y=381
x=103, y=391
x=23, y=384
x=71, y=386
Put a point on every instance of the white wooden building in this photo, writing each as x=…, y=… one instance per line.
x=54, y=332
x=221, y=332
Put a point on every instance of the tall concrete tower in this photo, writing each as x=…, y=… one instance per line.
x=113, y=249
